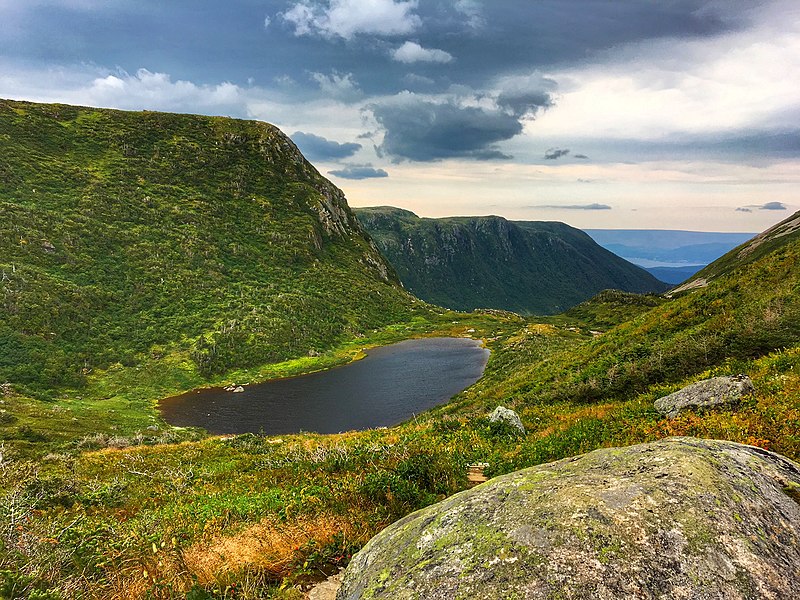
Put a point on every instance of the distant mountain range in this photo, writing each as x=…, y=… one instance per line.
x=670, y=255
x=489, y=262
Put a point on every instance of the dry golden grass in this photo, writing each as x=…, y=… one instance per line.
x=269, y=547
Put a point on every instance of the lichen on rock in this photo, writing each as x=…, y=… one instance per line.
x=501, y=414
x=677, y=518
x=717, y=391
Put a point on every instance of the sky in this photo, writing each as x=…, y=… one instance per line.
x=668, y=114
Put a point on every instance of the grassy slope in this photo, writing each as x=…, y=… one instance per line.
x=527, y=267
x=126, y=237
x=761, y=245
x=264, y=513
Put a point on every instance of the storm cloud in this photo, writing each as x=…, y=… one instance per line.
x=521, y=102
x=359, y=172
x=420, y=130
x=315, y=147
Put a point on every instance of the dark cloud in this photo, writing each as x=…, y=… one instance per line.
x=524, y=102
x=594, y=206
x=315, y=147
x=226, y=41
x=580, y=156
x=419, y=130
x=744, y=209
x=555, y=153
x=359, y=172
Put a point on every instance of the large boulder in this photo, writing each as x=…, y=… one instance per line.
x=717, y=391
x=678, y=518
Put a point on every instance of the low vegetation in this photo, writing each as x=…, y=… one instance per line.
x=251, y=516
x=99, y=498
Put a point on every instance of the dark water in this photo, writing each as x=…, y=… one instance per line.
x=390, y=385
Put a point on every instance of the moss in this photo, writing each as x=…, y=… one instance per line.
x=793, y=491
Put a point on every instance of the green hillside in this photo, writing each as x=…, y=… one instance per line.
x=139, y=260
x=128, y=236
x=488, y=262
x=774, y=238
x=252, y=517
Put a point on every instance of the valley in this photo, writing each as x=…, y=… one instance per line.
x=146, y=255
x=528, y=267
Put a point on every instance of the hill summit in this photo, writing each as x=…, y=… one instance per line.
x=125, y=235
x=489, y=262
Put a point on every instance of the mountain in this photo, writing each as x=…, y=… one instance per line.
x=776, y=238
x=671, y=256
x=522, y=266
x=664, y=239
x=251, y=512
x=126, y=235
x=744, y=306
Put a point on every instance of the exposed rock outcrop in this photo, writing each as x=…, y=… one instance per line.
x=678, y=518
x=717, y=391
x=501, y=414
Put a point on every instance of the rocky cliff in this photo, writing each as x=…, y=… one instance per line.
x=490, y=262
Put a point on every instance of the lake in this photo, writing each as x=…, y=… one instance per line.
x=392, y=384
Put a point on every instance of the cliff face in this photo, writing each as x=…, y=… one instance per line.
x=121, y=232
x=679, y=518
x=490, y=262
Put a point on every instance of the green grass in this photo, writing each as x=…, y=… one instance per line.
x=100, y=499
x=126, y=236
x=260, y=513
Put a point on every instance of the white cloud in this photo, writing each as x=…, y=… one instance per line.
x=158, y=91
x=340, y=86
x=677, y=87
x=346, y=18
x=91, y=86
x=411, y=52
x=471, y=9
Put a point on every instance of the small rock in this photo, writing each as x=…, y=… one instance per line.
x=48, y=247
x=326, y=590
x=501, y=414
x=238, y=389
x=152, y=428
x=718, y=391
